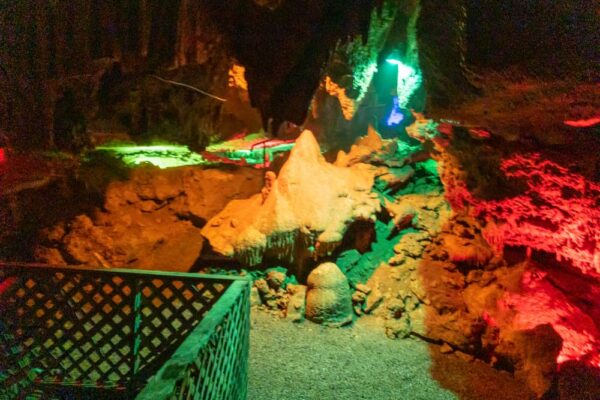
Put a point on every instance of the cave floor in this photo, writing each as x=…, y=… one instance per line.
x=308, y=361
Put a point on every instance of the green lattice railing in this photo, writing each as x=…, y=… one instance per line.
x=74, y=330
x=212, y=362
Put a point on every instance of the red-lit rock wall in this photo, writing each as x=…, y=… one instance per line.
x=539, y=206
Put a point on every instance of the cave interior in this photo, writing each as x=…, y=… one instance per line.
x=409, y=188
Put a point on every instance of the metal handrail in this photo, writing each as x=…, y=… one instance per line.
x=143, y=303
x=168, y=382
x=123, y=271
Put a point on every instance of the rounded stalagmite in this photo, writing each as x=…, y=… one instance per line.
x=328, y=299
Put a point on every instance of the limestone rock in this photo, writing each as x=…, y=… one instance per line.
x=363, y=150
x=275, y=279
x=49, y=256
x=397, y=260
x=534, y=353
x=418, y=320
x=397, y=328
x=296, y=306
x=374, y=299
x=262, y=287
x=255, y=297
x=446, y=349
x=472, y=251
x=396, y=178
x=358, y=297
x=328, y=299
x=141, y=244
x=363, y=288
x=151, y=220
x=402, y=213
x=409, y=246
x=203, y=202
x=310, y=204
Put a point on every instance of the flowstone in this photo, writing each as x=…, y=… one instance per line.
x=303, y=213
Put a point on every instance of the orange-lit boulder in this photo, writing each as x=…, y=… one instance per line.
x=328, y=299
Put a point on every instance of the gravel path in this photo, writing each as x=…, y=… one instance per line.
x=307, y=361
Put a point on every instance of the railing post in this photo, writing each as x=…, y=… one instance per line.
x=136, y=313
x=246, y=345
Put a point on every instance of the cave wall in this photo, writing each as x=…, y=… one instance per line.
x=285, y=49
x=58, y=59
x=76, y=62
x=81, y=58
x=520, y=69
x=441, y=35
x=550, y=37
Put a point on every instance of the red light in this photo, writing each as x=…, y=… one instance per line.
x=567, y=224
x=2, y=155
x=540, y=302
x=583, y=123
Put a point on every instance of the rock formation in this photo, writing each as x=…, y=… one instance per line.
x=512, y=276
x=305, y=213
x=151, y=220
x=328, y=299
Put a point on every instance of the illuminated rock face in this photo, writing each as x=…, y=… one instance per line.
x=150, y=221
x=304, y=212
x=328, y=299
x=533, y=259
x=535, y=352
x=557, y=212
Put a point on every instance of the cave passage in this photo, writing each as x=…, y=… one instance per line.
x=298, y=199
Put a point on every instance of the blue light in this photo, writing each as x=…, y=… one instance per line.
x=396, y=115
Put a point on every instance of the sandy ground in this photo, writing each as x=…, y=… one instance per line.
x=307, y=361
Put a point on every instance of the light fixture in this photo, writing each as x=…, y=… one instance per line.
x=394, y=57
x=161, y=156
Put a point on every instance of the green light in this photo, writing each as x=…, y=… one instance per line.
x=363, y=75
x=162, y=156
x=257, y=155
x=409, y=80
x=238, y=151
x=362, y=53
x=394, y=58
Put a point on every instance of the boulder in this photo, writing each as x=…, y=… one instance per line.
x=534, y=353
x=296, y=306
x=151, y=220
x=328, y=300
x=275, y=279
